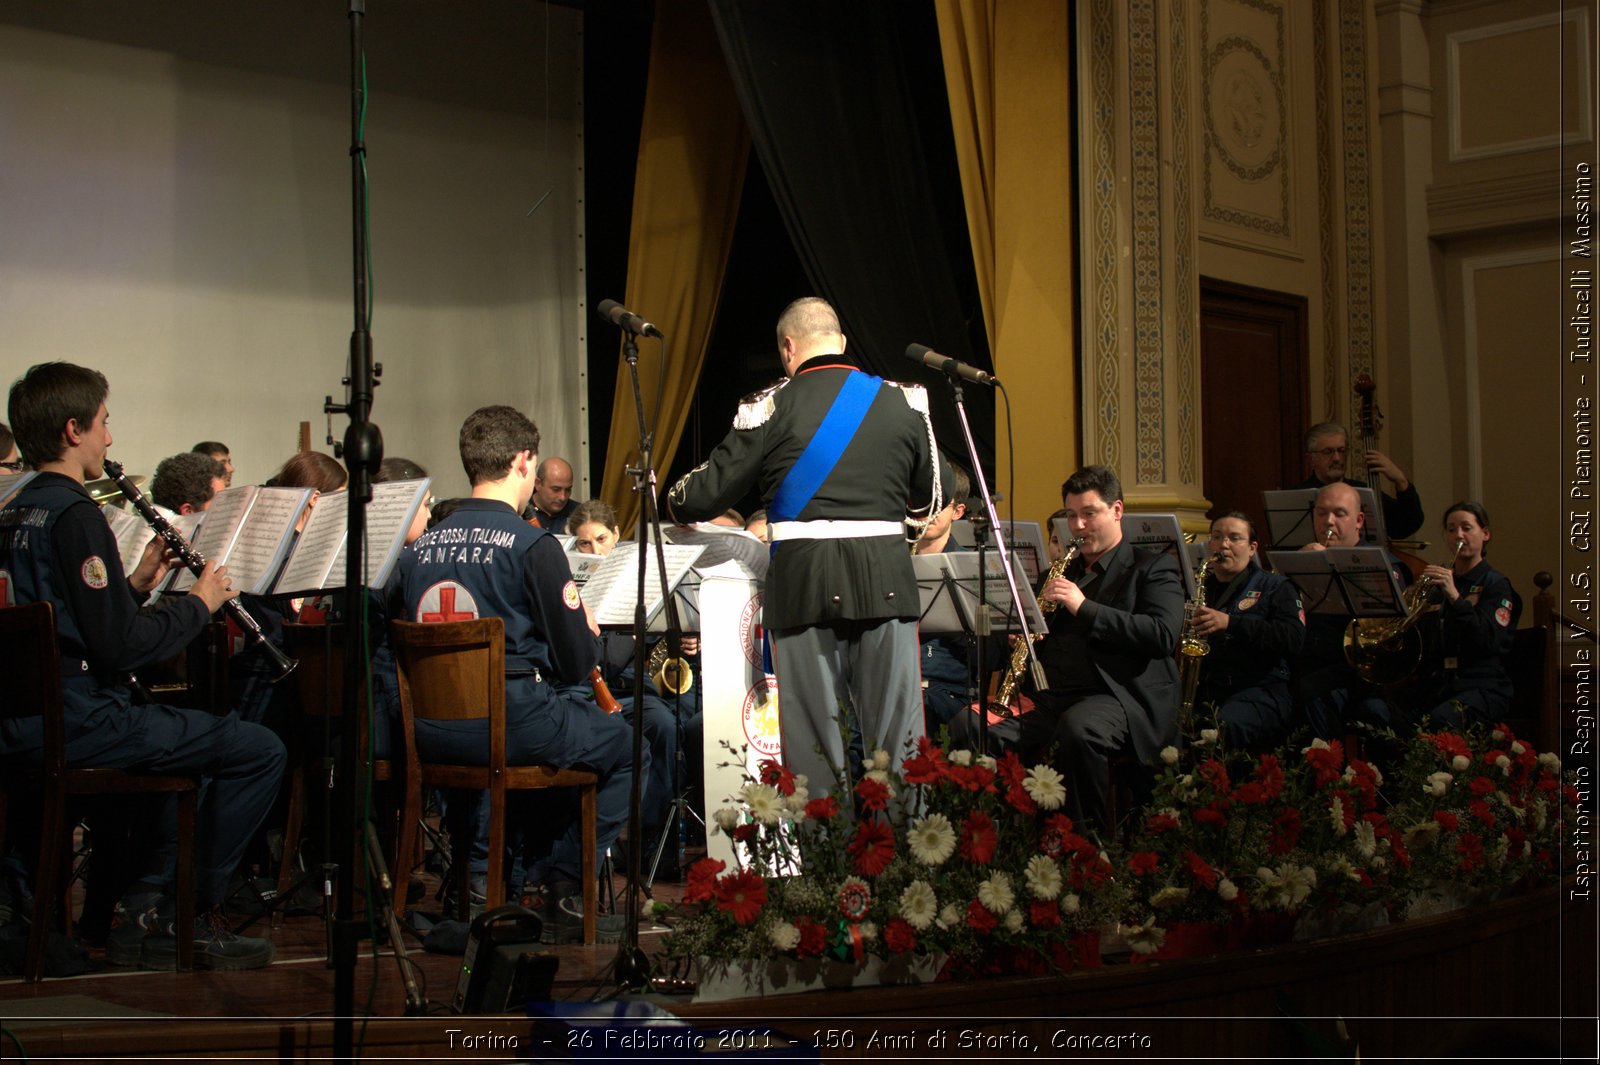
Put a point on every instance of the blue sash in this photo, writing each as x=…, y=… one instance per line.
x=838, y=428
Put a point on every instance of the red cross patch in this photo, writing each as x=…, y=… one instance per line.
x=447, y=601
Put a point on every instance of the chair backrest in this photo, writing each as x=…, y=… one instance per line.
x=453, y=671
x=31, y=665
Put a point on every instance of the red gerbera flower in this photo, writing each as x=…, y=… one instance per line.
x=777, y=776
x=1203, y=874
x=1143, y=862
x=1470, y=847
x=874, y=794
x=979, y=919
x=927, y=766
x=822, y=809
x=1209, y=815
x=872, y=848
x=1020, y=800
x=742, y=895
x=1449, y=744
x=702, y=881
x=978, y=838
x=1214, y=773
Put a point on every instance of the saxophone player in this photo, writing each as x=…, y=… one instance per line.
x=1254, y=625
x=1108, y=656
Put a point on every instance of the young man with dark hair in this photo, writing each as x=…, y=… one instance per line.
x=56, y=547
x=485, y=561
x=216, y=449
x=187, y=482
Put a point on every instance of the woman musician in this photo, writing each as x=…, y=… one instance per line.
x=1477, y=622
x=1254, y=625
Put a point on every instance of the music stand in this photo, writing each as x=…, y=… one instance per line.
x=1291, y=524
x=1027, y=542
x=1159, y=532
x=1343, y=581
x=962, y=568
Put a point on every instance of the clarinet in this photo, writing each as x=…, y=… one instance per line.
x=282, y=664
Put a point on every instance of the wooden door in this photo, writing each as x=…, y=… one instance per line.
x=1254, y=388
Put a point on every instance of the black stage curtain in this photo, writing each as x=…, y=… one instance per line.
x=850, y=120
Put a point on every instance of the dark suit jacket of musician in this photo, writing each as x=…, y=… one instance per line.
x=1131, y=619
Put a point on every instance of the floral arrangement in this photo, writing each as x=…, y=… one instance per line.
x=954, y=854
x=972, y=857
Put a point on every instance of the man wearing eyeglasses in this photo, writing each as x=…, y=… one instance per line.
x=1328, y=448
x=10, y=458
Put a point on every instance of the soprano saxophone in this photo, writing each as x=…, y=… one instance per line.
x=1006, y=690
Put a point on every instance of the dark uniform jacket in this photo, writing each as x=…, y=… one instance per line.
x=886, y=469
x=1129, y=624
x=485, y=561
x=56, y=547
x=1324, y=645
x=1477, y=631
x=1402, y=514
x=1265, y=630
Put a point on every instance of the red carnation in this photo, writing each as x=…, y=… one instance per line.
x=1043, y=913
x=1159, y=823
x=1327, y=762
x=1143, y=862
x=822, y=809
x=899, y=936
x=1447, y=820
x=745, y=833
x=813, y=937
x=1285, y=832
x=874, y=794
x=1470, y=847
x=742, y=895
x=1203, y=874
x=1214, y=773
x=927, y=766
x=1209, y=815
x=1009, y=768
x=979, y=919
x=1480, y=809
x=978, y=838
x=872, y=848
x=702, y=880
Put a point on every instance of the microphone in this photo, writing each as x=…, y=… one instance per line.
x=622, y=318
x=948, y=366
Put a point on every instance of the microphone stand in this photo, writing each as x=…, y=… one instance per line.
x=956, y=393
x=631, y=969
x=363, y=451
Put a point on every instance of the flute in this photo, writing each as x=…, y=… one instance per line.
x=282, y=664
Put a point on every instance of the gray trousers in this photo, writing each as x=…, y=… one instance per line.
x=847, y=678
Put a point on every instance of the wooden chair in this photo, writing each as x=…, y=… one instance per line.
x=1537, y=676
x=320, y=678
x=455, y=671
x=30, y=662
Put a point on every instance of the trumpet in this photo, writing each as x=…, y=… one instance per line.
x=1387, y=651
x=1193, y=647
x=1006, y=690
x=195, y=562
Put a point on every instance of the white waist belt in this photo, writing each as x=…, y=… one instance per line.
x=833, y=530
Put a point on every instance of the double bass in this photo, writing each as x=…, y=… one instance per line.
x=1368, y=420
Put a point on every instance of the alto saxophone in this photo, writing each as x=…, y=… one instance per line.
x=1006, y=690
x=1193, y=647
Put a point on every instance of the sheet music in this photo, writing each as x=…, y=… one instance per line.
x=612, y=589
x=216, y=535
x=312, y=567
x=12, y=483
x=132, y=535
x=1025, y=540
x=394, y=504
x=259, y=547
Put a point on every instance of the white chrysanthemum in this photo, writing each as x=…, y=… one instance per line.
x=1336, y=815
x=1461, y=763
x=801, y=781
x=1502, y=849
x=1287, y=886
x=961, y=758
x=996, y=894
x=1043, y=877
x=1044, y=786
x=784, y=935
x=1517, y=747
x=1169, y=755
x=880, y=759
x=1342, y=866
x=1316, y=745
x=1014, y=921
x=949, y=916
x=1208, y=736
x=1168, y=897
x=1438, y=783
x=918, y=905
x=1145, y=938
x=765, y=804
x=727, y=819
x=932, y=839
x=1377, y=774
x=881, y=776
x=1227, y=890
x=796, y=803
x=1550, y=761
x=1497, y=735
x=1366, y=841
x=1070, y=903
x=986, y=761
x=1541, y=815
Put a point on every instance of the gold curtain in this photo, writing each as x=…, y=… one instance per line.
x=1008, y=71
x=693, y=146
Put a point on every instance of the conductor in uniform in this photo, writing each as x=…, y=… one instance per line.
x=840, y=458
